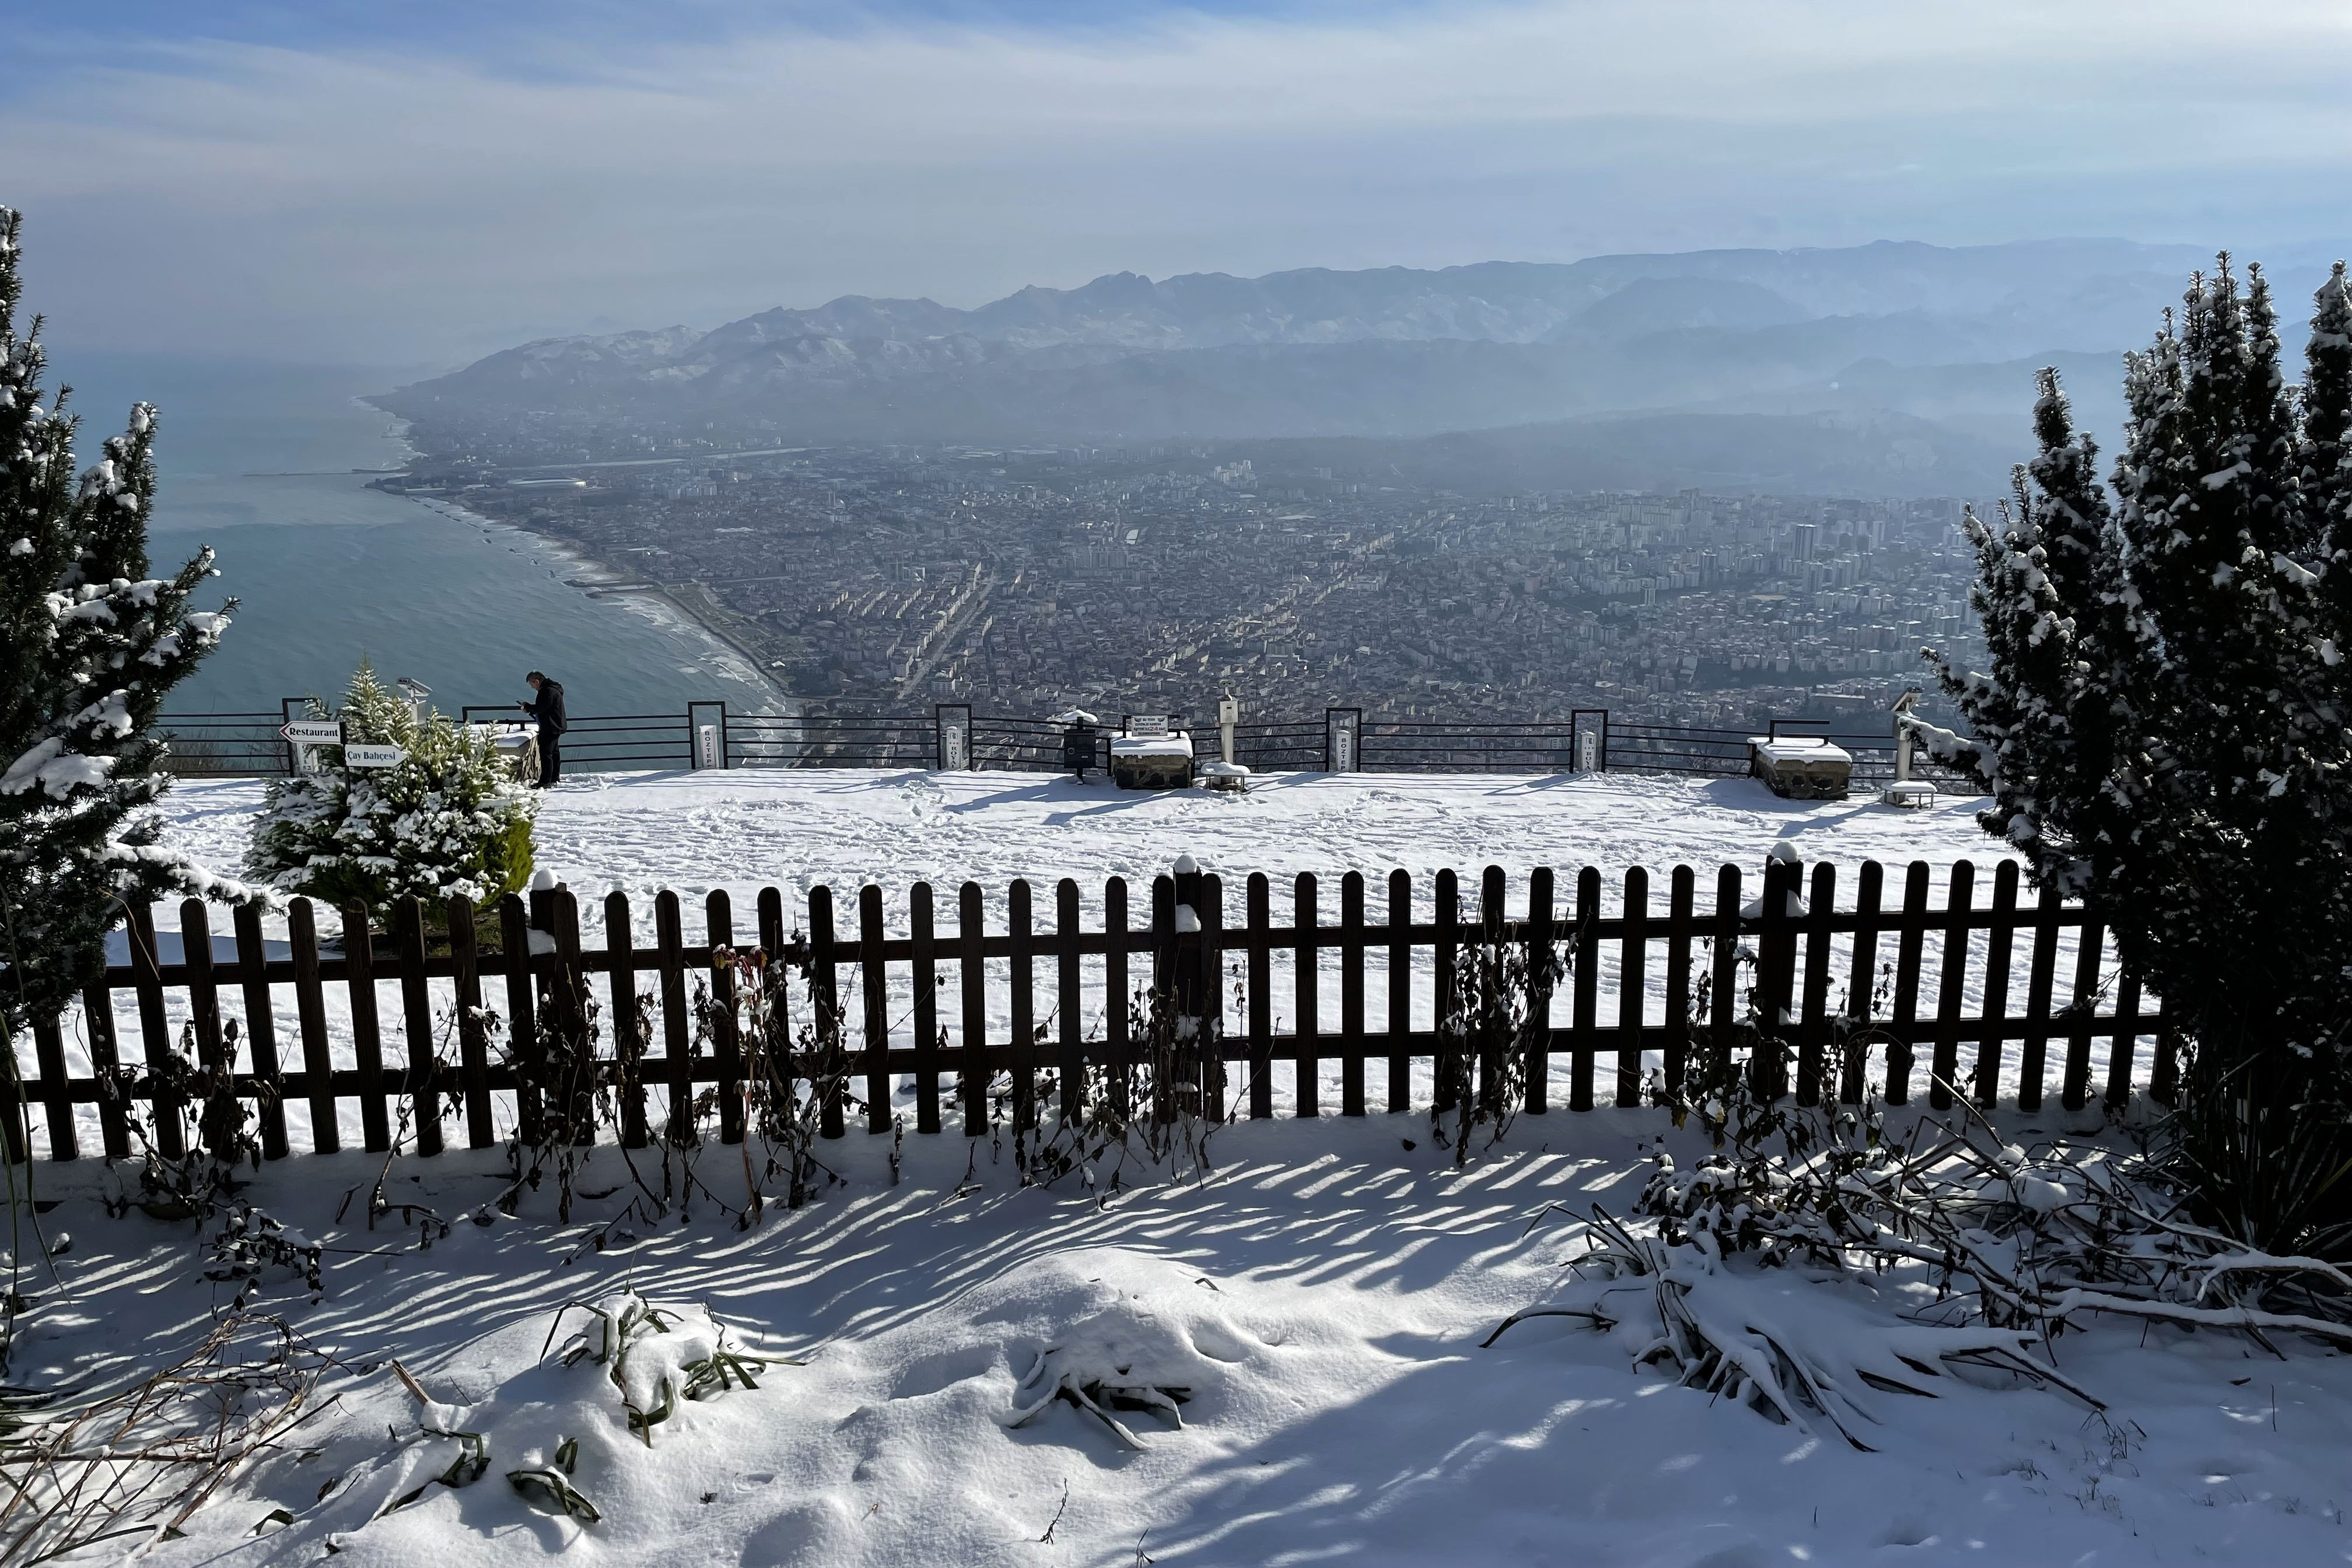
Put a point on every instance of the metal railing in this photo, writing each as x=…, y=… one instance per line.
x=707, y=735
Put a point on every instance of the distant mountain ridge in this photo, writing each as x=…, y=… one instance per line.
x=1389, y=352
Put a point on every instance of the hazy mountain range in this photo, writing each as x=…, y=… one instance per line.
x=1898, y=366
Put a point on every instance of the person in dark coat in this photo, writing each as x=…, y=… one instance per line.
x=547, y=707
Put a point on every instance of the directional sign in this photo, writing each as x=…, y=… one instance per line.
x=373, y=756
x=313, y=732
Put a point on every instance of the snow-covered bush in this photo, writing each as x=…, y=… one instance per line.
x=1810, y=1260
x=1122, y=1359
x=449, y=818
x=2164, y=729
x=658, y=1355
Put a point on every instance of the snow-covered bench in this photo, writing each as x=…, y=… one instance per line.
x=1161, y=761
x=1800, y=767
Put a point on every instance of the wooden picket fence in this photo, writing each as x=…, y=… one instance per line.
x=1796, y=952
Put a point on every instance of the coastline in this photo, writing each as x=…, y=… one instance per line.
x=681, y=614
x=593, y=573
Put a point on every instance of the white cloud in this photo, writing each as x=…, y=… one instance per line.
x=409, y=207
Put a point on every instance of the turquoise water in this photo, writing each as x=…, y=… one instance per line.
x=257, y=463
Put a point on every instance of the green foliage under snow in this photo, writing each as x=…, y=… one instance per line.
x=447, y=819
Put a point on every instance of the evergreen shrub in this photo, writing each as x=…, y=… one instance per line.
x=449, y=818
x=2163, y=729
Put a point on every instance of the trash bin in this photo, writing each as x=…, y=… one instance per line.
x=1080, y=742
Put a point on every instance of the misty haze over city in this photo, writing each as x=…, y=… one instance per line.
x=1022, y=354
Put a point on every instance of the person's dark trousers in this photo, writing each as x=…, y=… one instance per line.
x=551, y=759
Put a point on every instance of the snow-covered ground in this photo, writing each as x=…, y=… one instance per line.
x=795, y=828
x=1322, y=1294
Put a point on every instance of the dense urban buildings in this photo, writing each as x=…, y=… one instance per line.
x=1157, y=578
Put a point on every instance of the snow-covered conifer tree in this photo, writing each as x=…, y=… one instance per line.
x=2163, y=730
x=2045, y=594
x=2326, y=467
x=88, y=645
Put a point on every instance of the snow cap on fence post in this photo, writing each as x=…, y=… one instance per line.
x=1187, y=873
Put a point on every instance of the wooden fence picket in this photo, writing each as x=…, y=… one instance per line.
x=1542, y=947
x=726, y=1014
x=50, y=1056
x=824, y=1002
x=1909, y=944
x=2077, y=1091
x=1632, y=988
x=1399, y=979
x=875, y=998
x=1680, y=932
x=678, y=1048
x=1118, y=1047
x=976, y=1070
x=1862, y=979
x=1726, y=1007
x=155, y=1031
x=2000, y=938
x=925, y=960
x=1442, y=1008
x=1351, y=994
x=473, y=1034
x=260, y=1029
x=310, y=1013
x=1259, y=948
x=1211, y=907
x=1812, y=1021
x=1306, y=995
x=2032, y=1065
x=1959, y=898
x=628, y=1049
x=1069, y=1006
x=1584, y=985
x=1781, y=1011
x=522, y=1018
x=367, y=1039
x=417, y=1024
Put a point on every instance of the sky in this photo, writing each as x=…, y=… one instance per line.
x=417, y=184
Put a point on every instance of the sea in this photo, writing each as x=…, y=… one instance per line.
x=258, y=462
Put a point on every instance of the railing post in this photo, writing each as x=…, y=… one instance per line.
x=1342, y=737
x=951, y=729
x=706, y=742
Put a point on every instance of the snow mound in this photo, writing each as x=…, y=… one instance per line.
x=553, y=1446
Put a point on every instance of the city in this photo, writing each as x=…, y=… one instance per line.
x=1027, y=579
